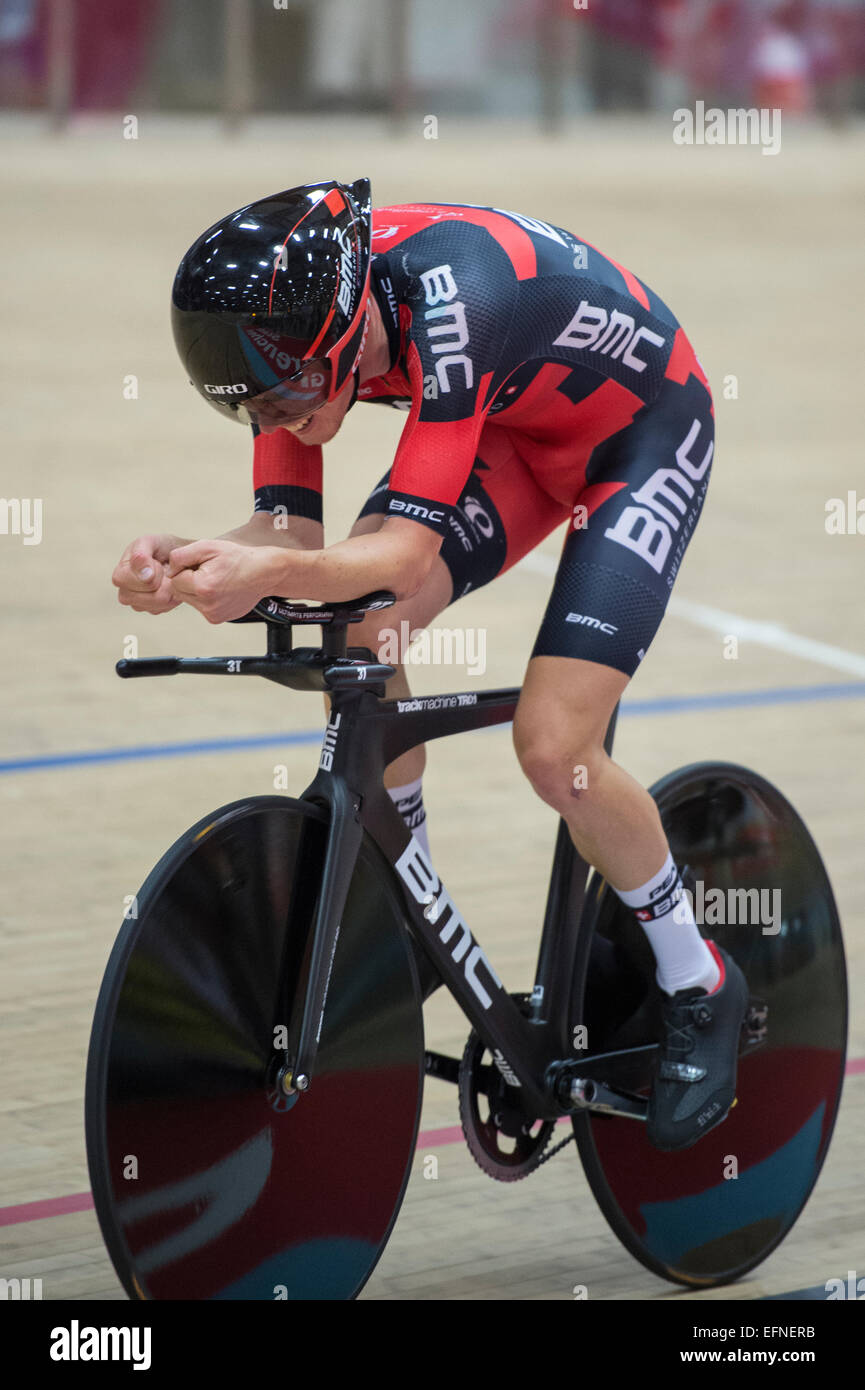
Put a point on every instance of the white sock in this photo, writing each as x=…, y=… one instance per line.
x=683, y=958
x=409, y=802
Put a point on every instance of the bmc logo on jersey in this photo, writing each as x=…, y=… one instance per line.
x=414, y=509
x=585, y=621
x=238, y=390
x=593, y=329
x=449, y=317
x=662, y=503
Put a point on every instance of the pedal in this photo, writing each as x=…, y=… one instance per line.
x=755, y=1026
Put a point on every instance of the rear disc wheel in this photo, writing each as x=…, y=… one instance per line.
x=707, y=1214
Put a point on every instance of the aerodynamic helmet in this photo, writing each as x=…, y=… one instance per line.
x=269, y=305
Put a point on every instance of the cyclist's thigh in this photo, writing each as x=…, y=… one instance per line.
x=644, y=492
x=501, y=515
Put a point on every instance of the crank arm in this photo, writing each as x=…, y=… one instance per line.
x=445, y=1068
x=587, y=1094
x=631, y=1068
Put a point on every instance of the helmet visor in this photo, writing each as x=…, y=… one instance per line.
x=293, y=399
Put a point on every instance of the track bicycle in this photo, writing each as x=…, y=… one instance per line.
x=257, y=1058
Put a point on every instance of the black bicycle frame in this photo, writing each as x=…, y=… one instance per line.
x=365, y=732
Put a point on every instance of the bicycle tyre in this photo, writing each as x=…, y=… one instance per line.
x=706, y=1215
x=204, y=1187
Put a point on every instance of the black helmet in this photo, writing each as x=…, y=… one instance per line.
x=271, y=301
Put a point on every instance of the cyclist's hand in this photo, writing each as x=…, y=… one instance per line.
x=221, y=579
x=140, y=577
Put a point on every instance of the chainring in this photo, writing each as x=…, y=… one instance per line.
x=504, y=1142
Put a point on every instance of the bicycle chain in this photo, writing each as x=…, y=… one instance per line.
x=480, y=1143
x=557, y=1148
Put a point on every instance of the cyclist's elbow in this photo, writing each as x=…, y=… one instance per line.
x=412, y=558
x=410, y=575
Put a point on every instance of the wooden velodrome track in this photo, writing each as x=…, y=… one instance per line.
x=761, y=259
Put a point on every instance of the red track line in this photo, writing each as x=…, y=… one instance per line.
x=83, y=1201
x=50, y=1206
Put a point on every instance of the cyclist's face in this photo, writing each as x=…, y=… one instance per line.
x=319, y=427
x=269, y=420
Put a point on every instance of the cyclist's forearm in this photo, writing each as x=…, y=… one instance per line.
x=269, y=528
x=351, y=568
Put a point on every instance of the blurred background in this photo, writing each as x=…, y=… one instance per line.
x=523, y=58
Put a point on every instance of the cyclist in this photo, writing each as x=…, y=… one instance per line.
x=544, y=384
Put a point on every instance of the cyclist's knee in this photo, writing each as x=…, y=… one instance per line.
x=561, y=770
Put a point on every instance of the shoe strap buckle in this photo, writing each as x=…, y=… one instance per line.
x=680, y=1071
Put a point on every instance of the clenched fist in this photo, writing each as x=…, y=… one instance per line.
x=222, y=579
x=140, y=576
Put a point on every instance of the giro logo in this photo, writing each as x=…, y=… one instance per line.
x=239, y=389
x=593, y=329
x=427, y=889
x=585, y=621
x=448, y=315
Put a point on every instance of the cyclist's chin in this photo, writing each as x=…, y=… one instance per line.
x=319, y=430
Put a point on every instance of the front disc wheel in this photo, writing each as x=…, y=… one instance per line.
x=211, y=1179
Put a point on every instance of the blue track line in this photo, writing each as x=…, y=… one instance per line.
x=676, y=704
